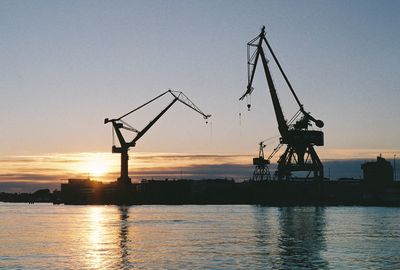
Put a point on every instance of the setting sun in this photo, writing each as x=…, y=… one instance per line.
x=95, y=165
x=96, y=168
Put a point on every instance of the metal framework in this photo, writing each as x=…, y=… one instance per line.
x=119, y=124
x=299, y=155
x=261, y=170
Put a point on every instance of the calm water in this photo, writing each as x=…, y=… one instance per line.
x=44, y=236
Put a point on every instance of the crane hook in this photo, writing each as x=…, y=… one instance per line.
x=248, y=98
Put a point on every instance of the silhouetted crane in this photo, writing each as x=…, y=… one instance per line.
x=261, y=170
x=119, y=124
x=299, y=154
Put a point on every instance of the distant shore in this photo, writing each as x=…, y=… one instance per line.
x=217, y=191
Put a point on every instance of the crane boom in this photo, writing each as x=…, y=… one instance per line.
x=141, y=106
x=282, y=124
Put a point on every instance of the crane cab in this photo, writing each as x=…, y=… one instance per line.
x=260, y=161
x=313, y=137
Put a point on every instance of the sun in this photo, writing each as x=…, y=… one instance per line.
x=96, y=168
x=95, y=165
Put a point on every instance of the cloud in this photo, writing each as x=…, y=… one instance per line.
x=23, y=177
x=28, y=172
x=237, y=171
x=340, y=153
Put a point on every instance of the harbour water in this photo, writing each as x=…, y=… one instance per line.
x=46, y=236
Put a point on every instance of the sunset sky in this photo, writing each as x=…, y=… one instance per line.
x=67, y=65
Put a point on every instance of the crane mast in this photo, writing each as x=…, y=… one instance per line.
x=299, y=155
x=119, y=124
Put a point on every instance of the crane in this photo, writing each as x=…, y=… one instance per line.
x=261, y=171
x=300, y=155
x=118, y=124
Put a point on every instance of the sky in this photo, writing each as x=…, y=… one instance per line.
x=67, y=65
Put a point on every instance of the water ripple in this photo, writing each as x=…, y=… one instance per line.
x=43, y=236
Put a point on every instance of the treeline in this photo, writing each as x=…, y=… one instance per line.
x=42, y=195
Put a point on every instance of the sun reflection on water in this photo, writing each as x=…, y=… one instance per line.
x=107, y=241
x=95, y=237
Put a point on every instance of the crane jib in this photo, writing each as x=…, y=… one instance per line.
x=119, y=124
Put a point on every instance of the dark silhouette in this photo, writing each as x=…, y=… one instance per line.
x=379, y=171
x=119, y=124
x=299, y=155
x=378, y=188
x=39, y=196
x=261, y=170
x=371, y=191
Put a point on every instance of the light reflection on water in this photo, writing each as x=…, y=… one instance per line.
x=96, y=237
x=43, y=236
x=301, y=239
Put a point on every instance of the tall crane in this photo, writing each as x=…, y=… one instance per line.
x=119, y=124
x=299, y=155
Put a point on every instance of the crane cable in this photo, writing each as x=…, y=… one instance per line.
x=276, y=149
x=294, y=117
x=113, y=135
x=141, y=106
x=240, y=123
x=211, y=130
x=270, y=138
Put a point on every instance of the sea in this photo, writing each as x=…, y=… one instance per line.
x=47, y=236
